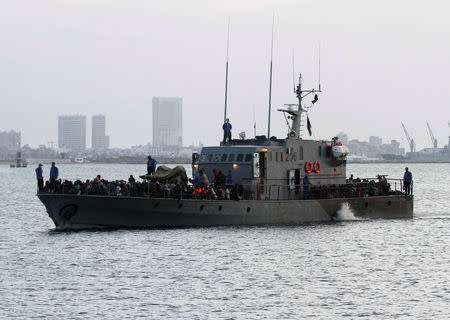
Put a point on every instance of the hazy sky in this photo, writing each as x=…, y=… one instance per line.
x=382, y=62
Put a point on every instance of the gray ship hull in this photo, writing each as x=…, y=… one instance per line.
x=87, y=211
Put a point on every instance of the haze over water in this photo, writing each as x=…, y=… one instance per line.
x=376, y=269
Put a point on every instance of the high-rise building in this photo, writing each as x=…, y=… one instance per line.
x=167, y=121
x=72, y=132
x=100, y=141
x=10, y=140
x=375, y=141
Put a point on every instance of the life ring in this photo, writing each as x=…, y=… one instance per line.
x=309, y=167
x=239, y=191
x=317, y=167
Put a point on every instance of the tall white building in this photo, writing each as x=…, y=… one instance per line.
x=167, y=121
x=72, y=132
x=10, y=140
x=100, y=141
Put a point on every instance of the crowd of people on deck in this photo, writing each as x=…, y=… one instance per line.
x=222, y=186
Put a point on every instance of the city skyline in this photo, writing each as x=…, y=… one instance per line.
x=382, y=63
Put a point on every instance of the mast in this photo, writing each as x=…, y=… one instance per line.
x=297, y=115
x=226, y=73
x=270, y=84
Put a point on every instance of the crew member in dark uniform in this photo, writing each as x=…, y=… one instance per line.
x=227, y=131
x=407, y=179
x=151, y=165
x=306, y=184
x=40, y=177
x=54, y=173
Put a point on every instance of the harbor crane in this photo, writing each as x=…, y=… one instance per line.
x=433, y=139
x=412, y=144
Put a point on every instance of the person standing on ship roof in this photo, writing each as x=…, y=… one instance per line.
x=151, y=165
x=39, y=177
x=407, y=180
x=306, y=184
x=54, y=173
x=227, y=131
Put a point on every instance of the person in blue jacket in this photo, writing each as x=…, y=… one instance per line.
x=227, y=131
x=54, y=173
x=407, y=180
x=306, y=184
x=151, y=165
x=39, y=177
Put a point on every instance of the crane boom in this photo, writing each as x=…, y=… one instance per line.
x=433, y=139
x=412, y=144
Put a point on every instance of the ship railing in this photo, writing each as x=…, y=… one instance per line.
x=395, y=184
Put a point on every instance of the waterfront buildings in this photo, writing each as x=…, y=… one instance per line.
x=167, y=121
x=100, y=141
x=72, y=132
x=9, y=143
x=374, y=148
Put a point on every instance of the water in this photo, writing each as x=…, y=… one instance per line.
x=376, y=269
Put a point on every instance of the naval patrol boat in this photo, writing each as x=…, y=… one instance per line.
x=268, y=177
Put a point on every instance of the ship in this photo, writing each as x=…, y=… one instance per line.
x=268, y=183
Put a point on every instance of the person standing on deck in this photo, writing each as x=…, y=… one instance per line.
x=151, y=165
x=54, y=173
x=407, y=180
x=227, y=131
x=306, y=184
x=40, y=177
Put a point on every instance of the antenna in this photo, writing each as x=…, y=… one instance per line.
x=319, y=65
x=254, y=122
x=293, y=70
x=270, y=85
x=226, y=72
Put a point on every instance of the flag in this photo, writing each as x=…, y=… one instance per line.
x=308, y=126
x=316, y=97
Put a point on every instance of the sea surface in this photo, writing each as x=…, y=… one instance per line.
x=350, y=269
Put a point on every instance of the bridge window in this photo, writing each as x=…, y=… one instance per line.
x=210, y=156
x=248, y=157
x=240, y=157
x=231, y=157
x=224, y=157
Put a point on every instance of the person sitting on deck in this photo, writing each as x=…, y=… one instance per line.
x=197, y=177
x=306, y=184
x=204, y=181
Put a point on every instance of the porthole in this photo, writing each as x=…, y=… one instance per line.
x=389, y=203
x=248, y=209
x=366, y=204
x=201, y=207
x=220, y=208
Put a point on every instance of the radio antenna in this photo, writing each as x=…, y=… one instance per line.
x=270, y=84
x=226, y=72
x=293, y=70
x=319, y=65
